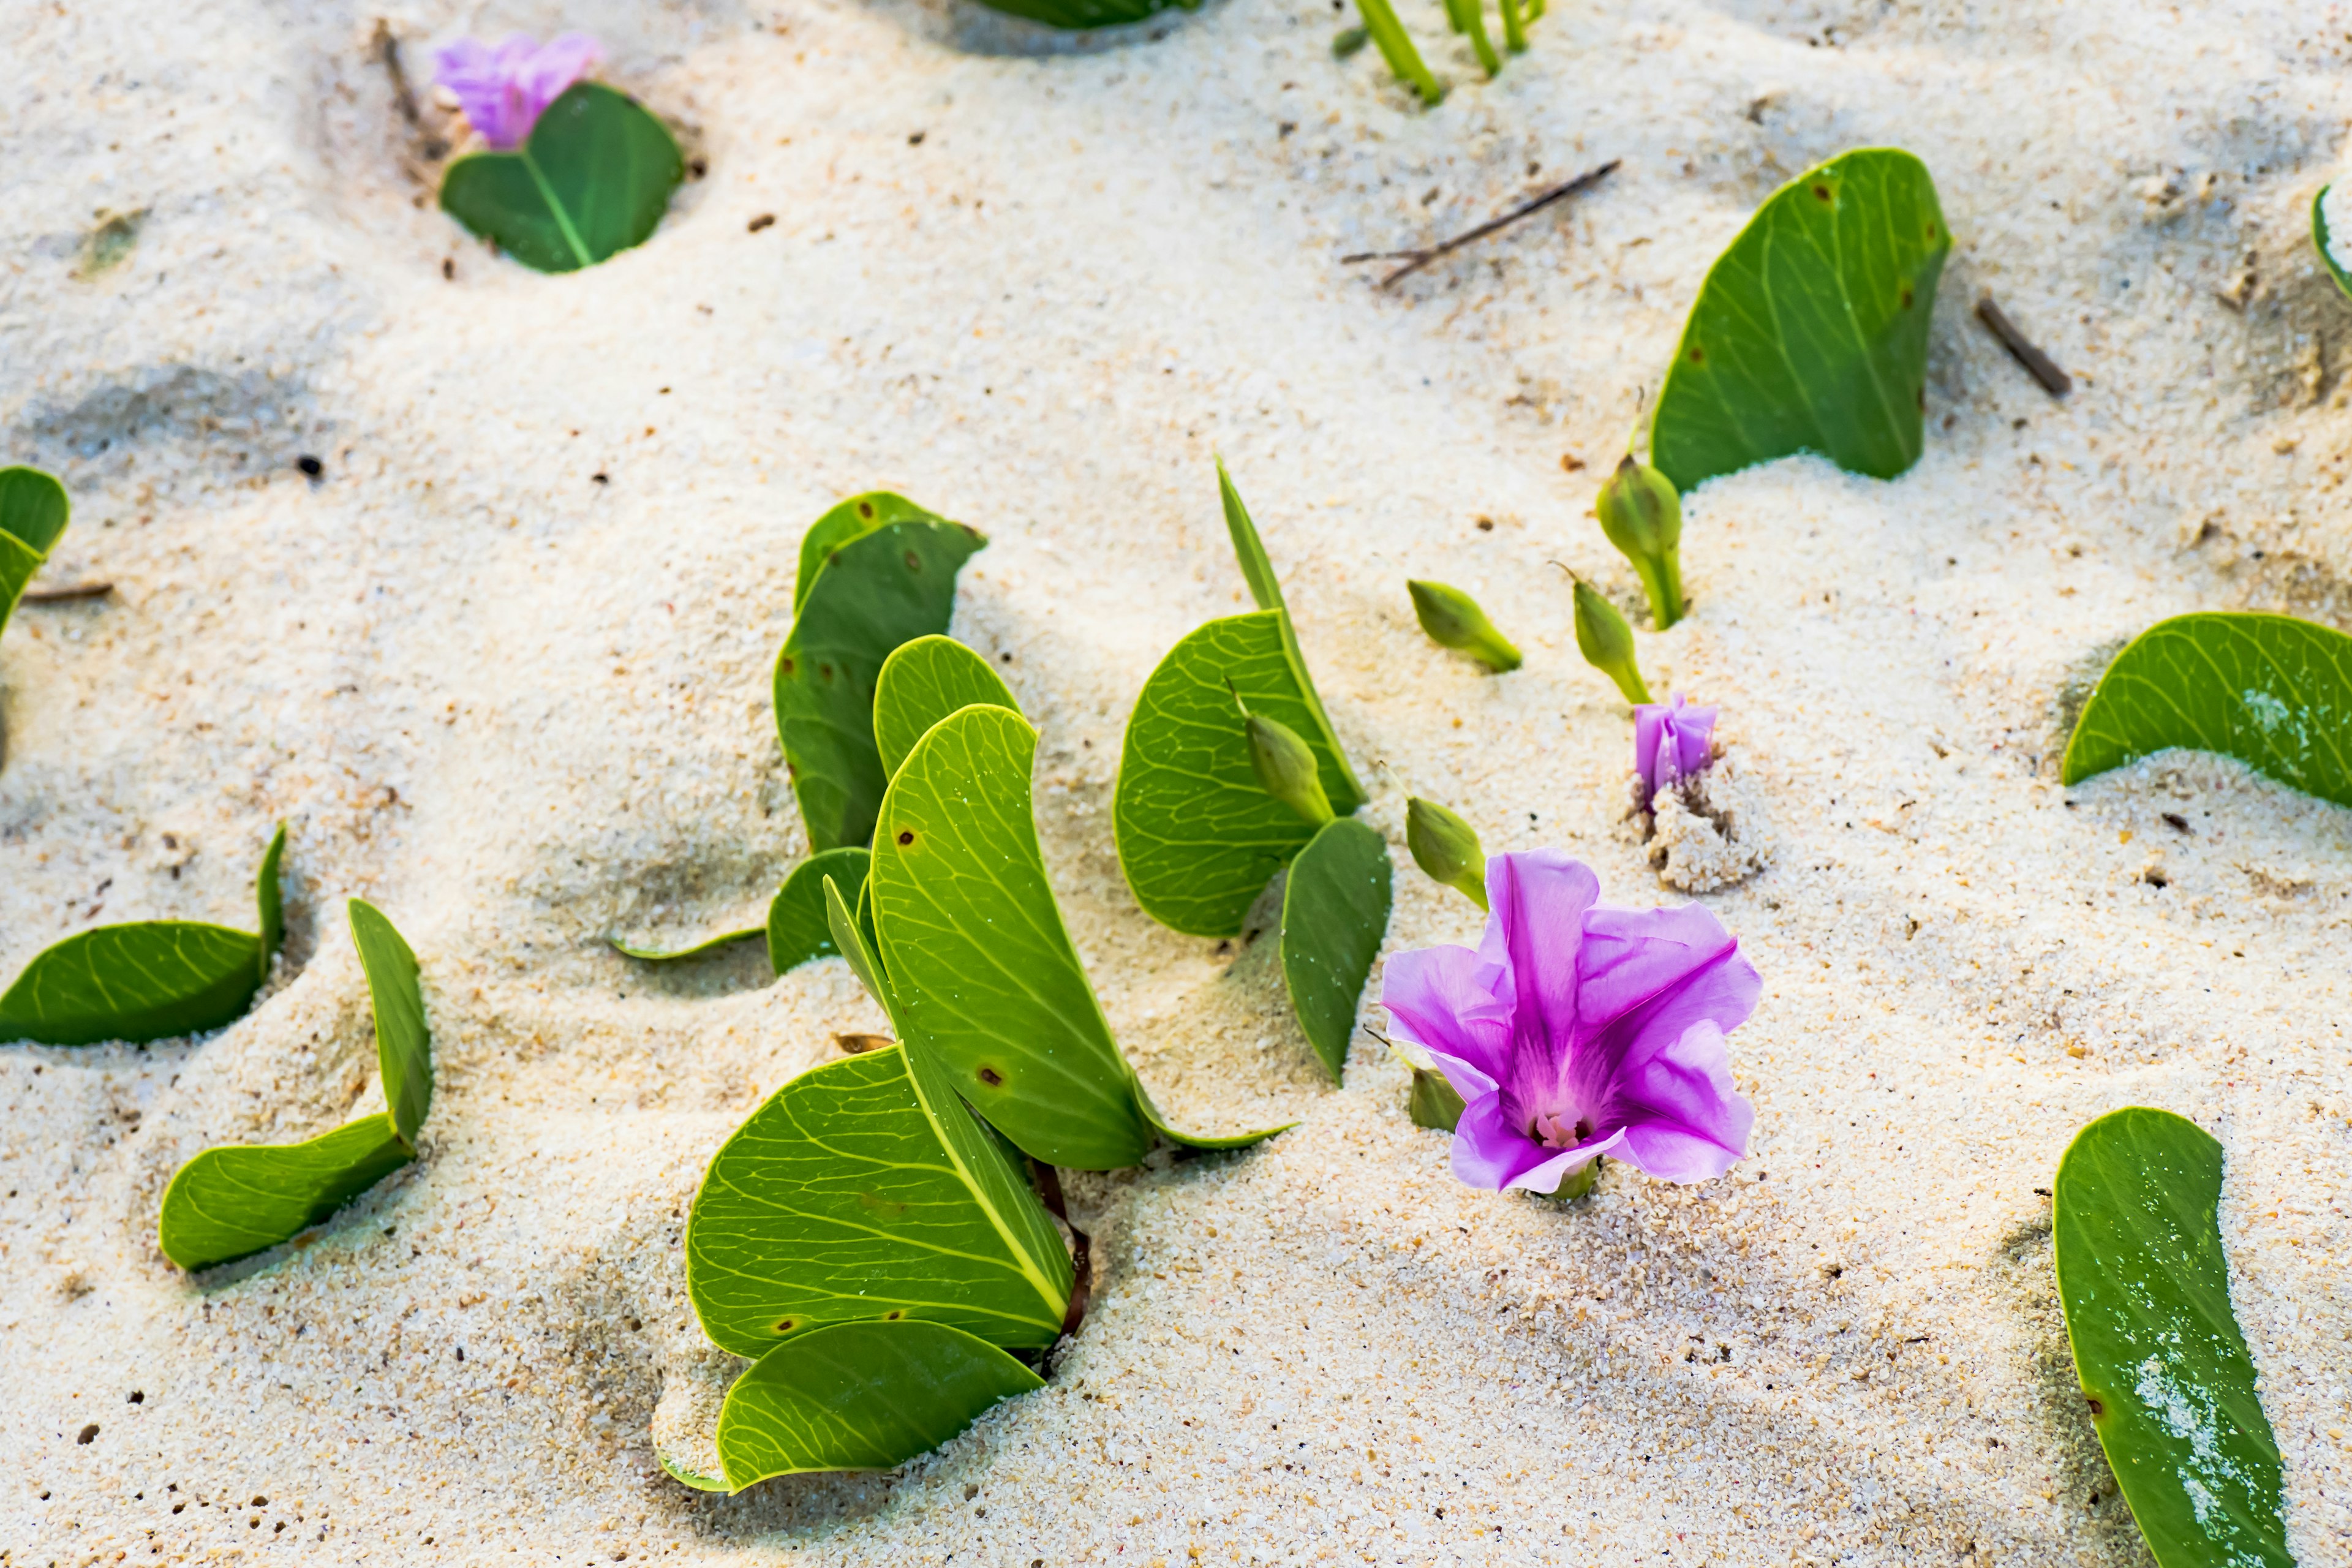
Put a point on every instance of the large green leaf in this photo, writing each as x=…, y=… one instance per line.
x=2271, y=691
x=853, y=519
x=2146, y=1289
x=853, y=937
x=232, y=1202
x=983, y=972
x=404, y=1047
x=2320, y=242
x=864, y=1189
x=1198, y=836
x=593, y=179
x=1334, y=911
x=798, y=930
x=146, y=980
x=861, y=1396
x=1811, y=332
x=33, y=512
x=921, y=683
x=877, y=590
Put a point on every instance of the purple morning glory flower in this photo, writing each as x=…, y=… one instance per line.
x=1575, y=1031
x=1670, y=743
x=504, y=88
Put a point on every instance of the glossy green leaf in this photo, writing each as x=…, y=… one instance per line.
x=880, y=590
x=861, y=1396
x=404, y=1047
x=33, y=513
x=2170, y=1386
x=270, y=898
x=232, y=1202
x=145, y=980
x=921, y=683
x=1334, y=911
x=703, y=949
x=853, y=519
x=983, y=971
x=864, y=1189
x=854, y=940
x=2319, y=240
x=2271, y=691
x=798, y=928
x=1198, y=836
x=1811, y=332
x=592, y=180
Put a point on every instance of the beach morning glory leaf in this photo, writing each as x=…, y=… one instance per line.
x=145, y=980
x=1266, y=592
x=1672, y=741
x=1811, y=332
x=1334, y=910
x=921, y=683
x=1075, y=15
x=795, y=929
x=1452, y=619
x=871, y=592
x=591, y=180
x=1575, y=1031
x=2272, y=691
x=503, y=87
x=864, y=1189
x=2329, y=230
x=33, y=513
x=239, y=1199
x=2162, y=1363
x=702, y=949
x=861, y=1396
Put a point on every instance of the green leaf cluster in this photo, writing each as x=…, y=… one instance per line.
x=1811, y=332
x=234, y=1201
x=2272, y=691
x=1199, y=834
x=592, y=180
x=33, y=513
x=146, y=980
x=2164, y=1368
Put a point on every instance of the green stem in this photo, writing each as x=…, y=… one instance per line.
x=1661, y=579
x=1515, y=32
x=563, y=218
x=1474, y=13
x=1535, y=9
x=1396, y=49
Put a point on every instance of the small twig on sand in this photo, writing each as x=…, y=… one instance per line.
x=1416, y=259
x=68, y=594
x=2039, y=365
x=387, y=50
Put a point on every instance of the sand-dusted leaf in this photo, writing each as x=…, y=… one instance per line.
x=877, y=590
x=861, y=1396
x=921, y=683
x=270, y=898
x=232, y=1202
x=2271, y=691
x=798, y=928
x=33, y=512
x=403, y=1048
x=145, y=980
x=2323, y=242
x=1811, y=332
x=1198, y=836
x=983, y=971
x=703, y=949
x=592, y=180
x=2146, y=1289
x=1334, y=911
x=864, y=1189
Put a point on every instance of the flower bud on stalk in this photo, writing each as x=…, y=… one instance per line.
x=1446, y=848
x=1452, y=619
x=1643, y=516
x=1607, y=642
x=1285, y=766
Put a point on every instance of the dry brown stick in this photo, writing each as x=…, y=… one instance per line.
x=387, y=52
x=2038, y=365
x=67, y=594
x=1420, y=259
x=1048, y=1181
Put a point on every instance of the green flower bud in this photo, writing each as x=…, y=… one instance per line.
x=1452, y=619
x=1607, y=642
x=1643, y=516
x=1446, y=848
x=1287, y=768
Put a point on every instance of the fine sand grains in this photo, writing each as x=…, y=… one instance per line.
x=503, y=669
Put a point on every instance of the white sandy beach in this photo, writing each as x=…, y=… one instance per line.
x=503, y=669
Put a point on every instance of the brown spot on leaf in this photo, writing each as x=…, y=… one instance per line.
x=865, y=509
x=788, y=1325
x=906, y=835
x=914, y=561
x=991, y=1077
x=2097, y=1409
x=1821, y=193
x=1699, y=355
x=790, y=665
x=1907, y=298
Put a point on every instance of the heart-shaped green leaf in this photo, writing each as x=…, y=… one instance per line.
x=2322, y=243
x=2271, y=691
x=232, y=1202
x=33, y=513
x=880, y=589
x=1198, y=836
x=981, y=968
x=864, y=1189
x=1334, y=911
x=592, y=180
x=853, y=519
x=921, y=683
x=403, y=1048
x=1811, y=332
x=2146, y=1288
x=861, y=1396
x=798, y=929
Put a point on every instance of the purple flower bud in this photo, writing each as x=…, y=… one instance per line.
x=504, y=88
x=1670, y=743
